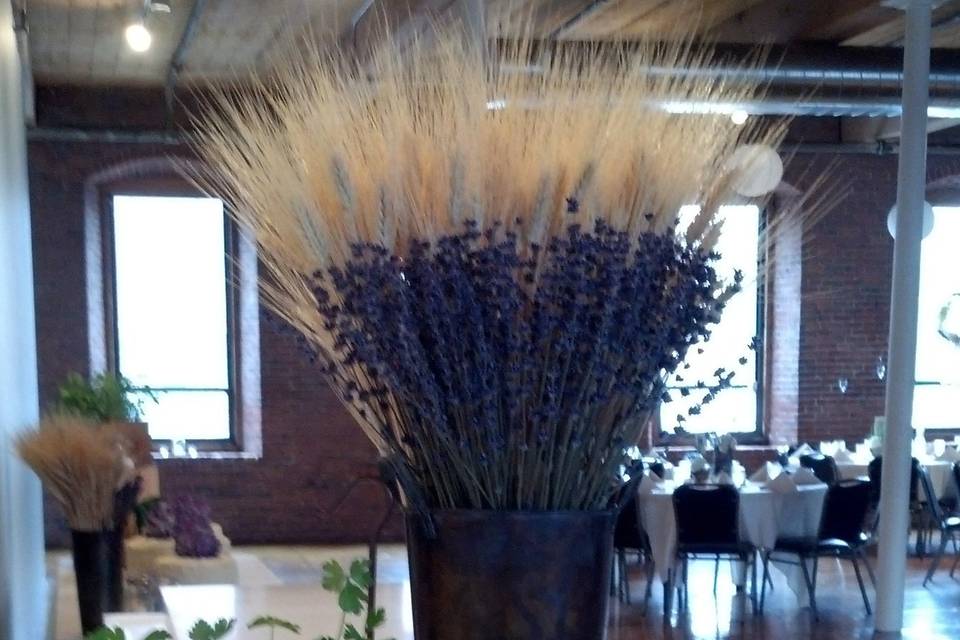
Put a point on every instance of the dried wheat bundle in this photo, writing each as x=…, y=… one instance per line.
x=483, y=256
x=79, y=465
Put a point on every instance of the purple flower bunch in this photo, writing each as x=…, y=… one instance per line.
x=159, y=521
x=508, y=375
x=192, y=533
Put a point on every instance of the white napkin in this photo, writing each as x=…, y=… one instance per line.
x=805, y=476
x=783, y=483
x=767, y=472
x=804, y=450
x=950, y=454
x=649, y=483
x=724, y=478
x=842, y=456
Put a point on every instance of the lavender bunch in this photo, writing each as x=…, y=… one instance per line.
x=192, y=532
x=159, y=521
x=507, y=380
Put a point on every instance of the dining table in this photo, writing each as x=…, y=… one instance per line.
x=766, y=513
x=940, y=472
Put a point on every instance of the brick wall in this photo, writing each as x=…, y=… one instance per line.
x=311, y=448
x=845, y=293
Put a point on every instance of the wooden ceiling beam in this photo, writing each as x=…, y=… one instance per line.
x=701, y=15
x=892, y=31
x=781, y=21
x=537, y=18
x=610, y=19
x=843, y=18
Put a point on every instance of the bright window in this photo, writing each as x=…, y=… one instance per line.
x=735, y=409
x=937, y=392
x=172, y=312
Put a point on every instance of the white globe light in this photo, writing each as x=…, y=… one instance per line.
x=757, y=169
x=739, y=116
x=138, y=37
x=927, y=220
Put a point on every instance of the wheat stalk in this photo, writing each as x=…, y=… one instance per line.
x=81, y=467
x=325, y=159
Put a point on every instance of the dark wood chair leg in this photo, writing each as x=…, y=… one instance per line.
x=668, y=596
x=866, y=563
x=624, y=578
x=863, y=590
x=936, y=559
x=686, y=584
x=648, y=593
x=766, y=578
x=811, y=588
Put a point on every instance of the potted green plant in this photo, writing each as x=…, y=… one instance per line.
x=107, y=400
x=486, y=267
x=103, y=398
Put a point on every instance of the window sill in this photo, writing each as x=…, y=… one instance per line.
x=210, y=455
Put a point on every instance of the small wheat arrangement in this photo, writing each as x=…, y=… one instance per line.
x=484, y=261
x=81, y=467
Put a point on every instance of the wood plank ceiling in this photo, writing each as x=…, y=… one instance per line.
x=82, y=42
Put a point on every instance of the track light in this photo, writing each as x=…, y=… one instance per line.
x=138, y=37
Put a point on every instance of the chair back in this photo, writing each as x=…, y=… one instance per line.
x=845, y=511
x=933, y=504
x=655, y=465
x=875, y=471
x=707, y=514
x=627, y=532
x=824, y=467
x=956, y=478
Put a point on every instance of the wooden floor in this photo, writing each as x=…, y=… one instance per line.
x=931, y=613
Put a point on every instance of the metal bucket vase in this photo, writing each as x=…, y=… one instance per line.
x=511, y=575
x=90, y=561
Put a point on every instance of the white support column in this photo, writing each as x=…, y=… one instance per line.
x=911, y=182
x=23, y=593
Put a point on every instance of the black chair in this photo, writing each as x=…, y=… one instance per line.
x=629, y=536
x=949, y=526
x=841, y=535
x=956, y=482
x=824, y=467
x=655, y=465
x=918, y=514
x=708, y=517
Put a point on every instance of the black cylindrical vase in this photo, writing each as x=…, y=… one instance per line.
x=90, y=566
x=114, y=574
x=123, y=503
x=517, y=575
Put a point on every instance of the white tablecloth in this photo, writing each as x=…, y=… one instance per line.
x=941, y=475
x=764, y=516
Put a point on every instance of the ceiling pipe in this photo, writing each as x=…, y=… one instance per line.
x=179, y=55
x=814, y=80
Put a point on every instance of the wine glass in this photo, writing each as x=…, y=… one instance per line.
x=843, y=384
x=881, y=368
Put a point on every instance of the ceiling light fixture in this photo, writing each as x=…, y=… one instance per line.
x=138, y=37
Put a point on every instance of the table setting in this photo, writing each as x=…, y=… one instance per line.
x=937, y=457
x=773, y=504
